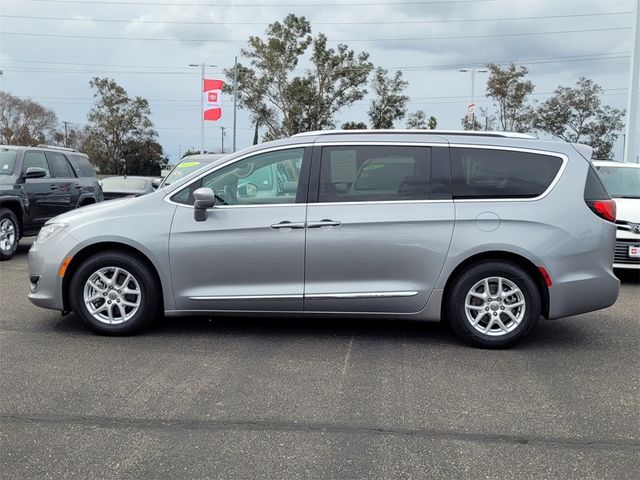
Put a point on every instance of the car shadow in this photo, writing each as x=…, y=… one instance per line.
x=628, y=277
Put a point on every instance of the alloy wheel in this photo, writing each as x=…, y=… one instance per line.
x=112, y=295
x=495, y=306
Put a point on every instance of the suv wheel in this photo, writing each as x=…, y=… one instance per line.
x=493, y=304
x=9, y=234
x=114, y=293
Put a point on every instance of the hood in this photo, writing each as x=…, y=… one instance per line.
x=628, y=209
x=95, y=211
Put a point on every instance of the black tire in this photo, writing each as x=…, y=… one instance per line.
x=150, y=293
x=8, y=217
x=499, y=338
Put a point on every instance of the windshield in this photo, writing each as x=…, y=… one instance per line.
x=183, y=169
x=121, y=184
x=621, y=181
x=7, y=161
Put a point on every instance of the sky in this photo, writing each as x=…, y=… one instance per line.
x=50, y=49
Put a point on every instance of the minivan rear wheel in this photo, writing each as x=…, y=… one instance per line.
x=114, y=293
x=493, y=304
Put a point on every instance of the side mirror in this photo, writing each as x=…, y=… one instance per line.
x=204, y=198
x=35, y=172
x=155, y=183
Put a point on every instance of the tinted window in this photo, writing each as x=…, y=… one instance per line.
x=268, y=178
x=374, y=173
x=35, y=159
x=60, y=167
x=82, y=166
x=488, y=173
x=7, y=161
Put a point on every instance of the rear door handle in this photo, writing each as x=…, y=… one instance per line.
x=77, y=185
x=324, y=223
x=288, y=224
x=53, y=187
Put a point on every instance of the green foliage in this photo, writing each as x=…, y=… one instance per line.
x=186, y=153
x=390, y=103
x=116, y=122
x=285, y=104
x=354, y=126
x=24, y=122
x=509, y=89
x=576, y=114
x=418, y=121
x=143, y=157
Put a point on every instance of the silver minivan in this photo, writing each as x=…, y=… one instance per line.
x=486, y=231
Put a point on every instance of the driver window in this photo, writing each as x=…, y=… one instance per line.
x=268, y=178
x=35, y=159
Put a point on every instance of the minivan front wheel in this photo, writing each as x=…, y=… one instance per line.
x=493, y=304
x=114, y=293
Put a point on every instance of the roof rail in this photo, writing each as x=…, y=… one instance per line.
x=56, y=147
x=477, y=133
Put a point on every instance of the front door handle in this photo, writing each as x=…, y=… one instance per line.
x=53, y=187
x=288, y=224
x=324, y=223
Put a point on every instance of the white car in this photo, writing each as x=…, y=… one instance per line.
x=623, y=183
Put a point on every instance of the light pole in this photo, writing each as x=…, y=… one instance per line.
x=222, y=130
x=632, y=147
x=473, y=88
x=235, y=95
x=203, y=66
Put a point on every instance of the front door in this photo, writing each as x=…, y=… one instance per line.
x=248, y=255
x=44, y=202
x=379, y=233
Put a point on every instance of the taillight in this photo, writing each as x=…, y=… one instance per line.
x=597, y=197
x=604, y=209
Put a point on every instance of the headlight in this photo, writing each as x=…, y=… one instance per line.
x=48, y=231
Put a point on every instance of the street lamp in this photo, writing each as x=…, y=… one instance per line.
x=473, y=72
x=203, y=66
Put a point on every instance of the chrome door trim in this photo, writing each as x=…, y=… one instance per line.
x=246, y=297
x=167, y=199
x=362, y=295
x=562, y=156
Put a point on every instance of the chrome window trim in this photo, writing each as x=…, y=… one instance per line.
x=562, y=156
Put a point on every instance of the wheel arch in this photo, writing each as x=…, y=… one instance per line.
x=94, y=248
x=499, y=255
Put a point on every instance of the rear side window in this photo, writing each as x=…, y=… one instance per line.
x=368, y=173
x=488, y=173
x=60, y=167
x=35, y=159
x=82, y=166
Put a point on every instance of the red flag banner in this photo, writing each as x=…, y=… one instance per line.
x=212, y=91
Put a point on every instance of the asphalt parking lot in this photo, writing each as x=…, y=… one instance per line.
x=268, y=398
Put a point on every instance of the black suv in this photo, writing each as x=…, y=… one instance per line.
x=38, y=183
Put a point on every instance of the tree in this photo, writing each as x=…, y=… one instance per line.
x=286, y=104
x=354, y=126
x=577, y=115
x=75, y=138
x=418, y=121
x=143, y=157
x=114, y=122
x=482, y=121
x=390, y=103
x=509, y=88
x=24, y=122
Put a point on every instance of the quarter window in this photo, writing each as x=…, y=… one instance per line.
x=35, y=159
x=489, y=173
x=375, y=173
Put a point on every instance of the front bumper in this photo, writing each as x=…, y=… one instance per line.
x=44, y=263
